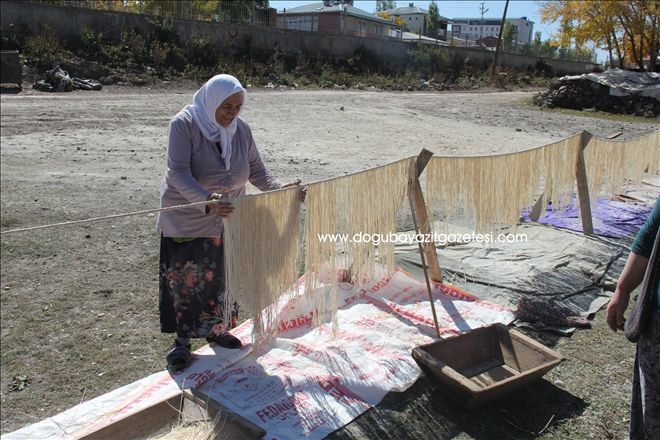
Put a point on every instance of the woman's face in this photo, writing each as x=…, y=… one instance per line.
x=229, y=108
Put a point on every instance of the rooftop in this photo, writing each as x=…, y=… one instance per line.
x=321, y=8
x=412, y=9
x=486, y=21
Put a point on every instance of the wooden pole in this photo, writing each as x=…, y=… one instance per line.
x=583, y=186
x=538, y=209
x=418, y=207
x=499, y=41
x=422, y=226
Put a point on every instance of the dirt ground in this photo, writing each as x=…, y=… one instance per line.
x=79, y=303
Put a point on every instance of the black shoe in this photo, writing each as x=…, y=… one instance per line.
x=179, y=357
x=225, y=339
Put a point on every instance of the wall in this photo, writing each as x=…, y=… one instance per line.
x=329, y=23
x=69, y=20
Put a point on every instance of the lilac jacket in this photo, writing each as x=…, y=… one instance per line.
x=196, y=169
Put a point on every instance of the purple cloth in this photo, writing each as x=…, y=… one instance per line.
x=610, y=218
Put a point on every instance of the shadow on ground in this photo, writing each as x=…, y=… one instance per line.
x=425, y=412
x=4, y=90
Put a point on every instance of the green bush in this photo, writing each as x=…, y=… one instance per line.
x=175, y=58
x=201, y=52
x=432, y=60
x=44, y=47
x=164, y=30
x=134, y=45
x=157, y=53
x=364, y=60
x=92, y=43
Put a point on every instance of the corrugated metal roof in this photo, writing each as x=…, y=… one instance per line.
x=320, y=8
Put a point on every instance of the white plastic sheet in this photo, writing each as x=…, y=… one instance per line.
x=307, y=382
x=625, y=82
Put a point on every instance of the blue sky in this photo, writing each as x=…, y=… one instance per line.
x=451, y=9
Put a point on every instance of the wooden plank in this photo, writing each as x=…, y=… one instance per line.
x=422, y=160
x=422, y=226
x=418, y=207
x=616, y=134
x=156, y=419
x=583, y=186
x=161, y=417
x=538, y=208
x=233, y=425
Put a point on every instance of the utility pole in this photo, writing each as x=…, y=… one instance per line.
x=499, y=41
x=483, y=10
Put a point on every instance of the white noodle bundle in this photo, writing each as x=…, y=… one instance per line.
x=365, y=203
x=610, y=163
x=558, y=175
x=493, y=189
x=262, y=247
x=487, y=189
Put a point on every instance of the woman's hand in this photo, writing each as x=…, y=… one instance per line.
x=303, y=189
x=221, y=209
x=615, y=310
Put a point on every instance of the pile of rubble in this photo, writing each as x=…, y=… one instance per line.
x=613, y=91
x=58, y=80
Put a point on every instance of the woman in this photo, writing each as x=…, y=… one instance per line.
x=645, y=404
x=211, y=155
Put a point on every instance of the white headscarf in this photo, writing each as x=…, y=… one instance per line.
x=205, y=102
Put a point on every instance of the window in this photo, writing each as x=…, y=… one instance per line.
x=303, y=24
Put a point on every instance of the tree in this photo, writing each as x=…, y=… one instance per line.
x=385, y=5
x=509, y=35
x=432, y=19
x=628, y=28
x=398, y=21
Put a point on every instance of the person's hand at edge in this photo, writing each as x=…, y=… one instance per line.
x=303, y=189
x=615, y=310
x=221, y=209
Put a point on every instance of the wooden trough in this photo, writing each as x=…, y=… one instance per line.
x=484, y=364
x=160, y=418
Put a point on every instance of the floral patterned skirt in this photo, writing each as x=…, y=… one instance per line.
x=645, y=407
x=192, y=287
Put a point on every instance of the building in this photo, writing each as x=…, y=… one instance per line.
x=488, y=42
x=476, y=28
x=414, y=16
x=333, y=17
x=415, y=19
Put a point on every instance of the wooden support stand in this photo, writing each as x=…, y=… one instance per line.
x=583, y=186
x=420, y=213
x=582, y=189
x=422, y=226
x=538, y=209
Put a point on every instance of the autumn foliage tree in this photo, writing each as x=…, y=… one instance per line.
x=627, y=28
x=398, y=21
